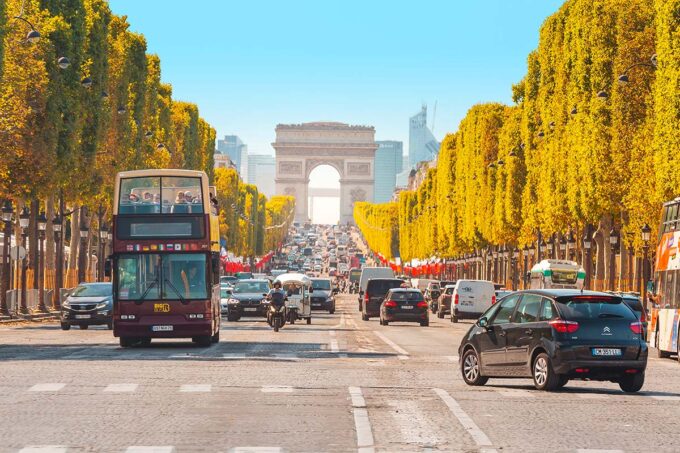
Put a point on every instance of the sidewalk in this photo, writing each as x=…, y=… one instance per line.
x=34, y=316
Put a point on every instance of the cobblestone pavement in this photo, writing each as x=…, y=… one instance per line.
x=339, y=384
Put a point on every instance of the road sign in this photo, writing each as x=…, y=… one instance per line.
x=17, y=253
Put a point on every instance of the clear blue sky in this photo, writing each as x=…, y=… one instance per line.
x=252, y=64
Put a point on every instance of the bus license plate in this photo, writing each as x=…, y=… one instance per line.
x=162, y=328
x=407, y=307
x=250, y=309
x=607, y=352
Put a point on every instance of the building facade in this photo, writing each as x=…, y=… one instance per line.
x=237, y=151
x=422, y=145
x=300, y=148
x=389, y=159
x=262, y=173
x=223, y=161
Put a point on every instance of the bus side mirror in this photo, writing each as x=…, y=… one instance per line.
x=107, y=268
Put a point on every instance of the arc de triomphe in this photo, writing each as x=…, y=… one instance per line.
x=300, y=148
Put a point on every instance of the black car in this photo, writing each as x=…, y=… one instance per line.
x=404, y=304
x=635, y=303
x=323, y=296
x=89, y=304
x=376, y=289
x=248, y=299
x=556, y=335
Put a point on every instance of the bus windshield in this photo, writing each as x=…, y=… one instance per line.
x=161, y=195
x=564, y=277
x=172, y=276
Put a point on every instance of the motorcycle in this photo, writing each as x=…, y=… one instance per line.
x=276, y=315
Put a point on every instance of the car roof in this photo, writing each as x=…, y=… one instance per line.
x=405, y=290
x=565, y=292
x=254, y=280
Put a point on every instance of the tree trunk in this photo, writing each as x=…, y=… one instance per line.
x=601, y=239
x=75, y=240
x=33, y=241
x=49, y=233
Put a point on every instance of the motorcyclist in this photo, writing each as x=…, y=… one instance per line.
x=276, y=297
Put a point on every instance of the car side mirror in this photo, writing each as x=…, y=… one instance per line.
x=107, y=268
x=483, y=322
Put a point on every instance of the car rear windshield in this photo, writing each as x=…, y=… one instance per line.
x=583, y=308
x=102, y=290
x=382, y=286
x=634, y=303
x=412, y=296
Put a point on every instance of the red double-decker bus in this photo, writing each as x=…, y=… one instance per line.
x=165, y=258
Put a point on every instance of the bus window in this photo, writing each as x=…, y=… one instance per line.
x=182, y=195
x=139, y=277
x=669, y=288
x=140, y=196
x=184, y=276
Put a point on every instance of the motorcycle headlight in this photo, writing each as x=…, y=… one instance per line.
x=264, y=301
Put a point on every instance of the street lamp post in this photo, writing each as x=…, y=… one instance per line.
x=613, y=241
x=571, y=240
x=495, y=265
x=646, y=235
x=587, y=243
x=58, y=261
x=506, y=254
x=563, y=248
x=515, y=255
x=525, y=253
x=42, y=226
x=24, y=221
x=7, y=212
x=82, y=265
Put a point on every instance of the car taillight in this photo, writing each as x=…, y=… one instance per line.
x=563, y=326
x=636, y=327
x=455, y=302
x=422, y=304
x=493, y=299
x=366, y=297
x=390, y=303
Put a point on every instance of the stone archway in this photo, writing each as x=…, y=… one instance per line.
x=300, y=148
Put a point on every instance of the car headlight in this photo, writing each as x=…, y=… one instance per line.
x=329, y=299
x=233, y=301
x=102, y=305
x=66, y=304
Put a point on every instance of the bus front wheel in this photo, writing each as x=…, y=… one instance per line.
x=203, y=340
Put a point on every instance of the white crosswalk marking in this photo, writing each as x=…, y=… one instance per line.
x=276, y=389
x=120, y=388
x=401, y=351
x=413, y=423
x=47, y=387
x=666, y=397
x=590, y=450
x=256, y=450
x=43, y=449
x=234, y=356
x=195, y=388
x=150, y=449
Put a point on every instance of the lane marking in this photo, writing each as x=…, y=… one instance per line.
x=403, y=357
x=391, y=343
x=666, y=397
x=516, y=393
x=150, y=449
x=276, y=389
x=256, y=450
x=470, y=426
x=361, y=421
x=234, y=356
x=595, y=450
x=195, y=388
x=121, y=388
x=452, y=358
x=43, y=449
x=48, y=387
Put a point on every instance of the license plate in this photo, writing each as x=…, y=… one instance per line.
x=162, y=328
x=83, y=316
x=407, y=307
x=250, y=309
x=316, y=305
x=607, y=352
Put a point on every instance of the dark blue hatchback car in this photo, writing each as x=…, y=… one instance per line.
x=556, y=335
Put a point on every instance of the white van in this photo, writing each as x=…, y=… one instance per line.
x=471, y=298
x=368, y=273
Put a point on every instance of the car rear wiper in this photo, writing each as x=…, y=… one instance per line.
x=609, y=315
x=181, y=299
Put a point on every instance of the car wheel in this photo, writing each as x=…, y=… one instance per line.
x=203, y=340
x=425, y=323
x=331, y=312
x=145, y=342
x=562, y=382
x=127, y=342
x=309, y=320
x=454, y=318
x=659, y=353
x=386, y=322
x=364, y=317
x=110, y=325
x=65, y=326
x=545, y=377
x=632, y=383
x=440, y=314
x=471, y=369
x=83, y=326
x=216, y=337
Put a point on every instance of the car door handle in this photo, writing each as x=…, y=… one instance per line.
x=529, y=331
x=501, y=333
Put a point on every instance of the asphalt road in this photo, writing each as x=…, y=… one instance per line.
x=339, y=384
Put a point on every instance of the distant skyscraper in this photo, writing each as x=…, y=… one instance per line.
x=237, y=151
x=422, y=146
x=262, y=173
x=388, y=163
